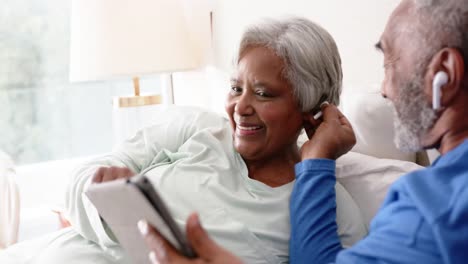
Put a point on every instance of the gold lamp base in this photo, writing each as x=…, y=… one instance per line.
x=137, y=100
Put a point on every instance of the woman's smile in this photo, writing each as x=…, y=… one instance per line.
x=264, y=114
x=246, y=129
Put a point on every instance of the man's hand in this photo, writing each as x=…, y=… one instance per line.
x=330, y=139
x=208, y=251
x=104, y=174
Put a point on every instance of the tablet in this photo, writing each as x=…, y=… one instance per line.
x=122, y=203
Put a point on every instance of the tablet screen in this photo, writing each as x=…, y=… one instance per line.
x=122, y=203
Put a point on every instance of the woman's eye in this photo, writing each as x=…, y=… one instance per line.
x=236, y=89
x=263, y=94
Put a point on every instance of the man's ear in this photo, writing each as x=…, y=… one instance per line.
x=450, y=61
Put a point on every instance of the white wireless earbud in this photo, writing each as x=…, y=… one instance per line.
x=440, y=79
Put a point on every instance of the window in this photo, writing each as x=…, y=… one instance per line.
x=43, y=116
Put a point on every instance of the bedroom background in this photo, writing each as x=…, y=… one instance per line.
x=43, y=117
x=49, y=125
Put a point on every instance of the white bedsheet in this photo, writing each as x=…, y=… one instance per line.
x=65, y=246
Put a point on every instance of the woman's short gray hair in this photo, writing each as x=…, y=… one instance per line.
x=312, y=61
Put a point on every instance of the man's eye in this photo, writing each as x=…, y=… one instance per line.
x=390, y=64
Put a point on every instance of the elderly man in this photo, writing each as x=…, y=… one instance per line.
x=424, y=218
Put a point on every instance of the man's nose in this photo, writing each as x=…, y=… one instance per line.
x=383, y=89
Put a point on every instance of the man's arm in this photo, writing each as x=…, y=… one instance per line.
x=399, y=233
x=314, y=236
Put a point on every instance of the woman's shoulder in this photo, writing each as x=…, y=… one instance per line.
x=179, y=123
x=203, y=118
x=184, y=116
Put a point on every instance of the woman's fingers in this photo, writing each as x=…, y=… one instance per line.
x=104, y=174
x=98, y=175
x=110, y=174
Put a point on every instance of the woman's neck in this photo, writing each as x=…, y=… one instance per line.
x=276, y=170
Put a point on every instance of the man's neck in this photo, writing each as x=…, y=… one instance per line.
x=452, y=140
x=451, y=129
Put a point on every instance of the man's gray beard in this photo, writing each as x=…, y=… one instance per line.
x=413, y=116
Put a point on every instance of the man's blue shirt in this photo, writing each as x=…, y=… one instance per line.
x=424, y=218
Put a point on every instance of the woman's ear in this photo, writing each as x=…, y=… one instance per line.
x=310, y=123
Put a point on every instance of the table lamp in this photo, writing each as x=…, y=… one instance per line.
x=130, y=39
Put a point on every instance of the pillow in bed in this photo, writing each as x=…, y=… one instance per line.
x=372, y=120
x=367, y=179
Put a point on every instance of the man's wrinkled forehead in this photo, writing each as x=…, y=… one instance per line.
x=398, y=25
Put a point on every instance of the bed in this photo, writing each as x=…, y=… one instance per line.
x=365, y=173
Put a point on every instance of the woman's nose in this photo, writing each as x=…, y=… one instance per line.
x=244, y=105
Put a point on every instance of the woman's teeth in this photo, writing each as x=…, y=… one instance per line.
x=250, y=128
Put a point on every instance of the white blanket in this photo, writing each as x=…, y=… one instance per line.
x=189, y=158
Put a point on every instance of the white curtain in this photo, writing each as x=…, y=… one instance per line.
x=9, y=203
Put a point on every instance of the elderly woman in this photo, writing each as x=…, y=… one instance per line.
x=238, y=173
x=285, y=68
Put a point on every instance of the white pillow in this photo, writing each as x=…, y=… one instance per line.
x=351, y=224
x=367, y=179
x=372, y=120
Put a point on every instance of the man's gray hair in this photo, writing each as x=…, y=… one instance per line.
x=437, y=24
x=441, y=23
x=311, y=58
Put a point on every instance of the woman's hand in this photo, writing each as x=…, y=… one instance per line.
x=208, y=251
x=331, y=138
x=104, y=174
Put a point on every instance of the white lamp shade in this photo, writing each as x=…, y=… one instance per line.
x=112, y=38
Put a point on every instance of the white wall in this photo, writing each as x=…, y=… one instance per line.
x=355, y=25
